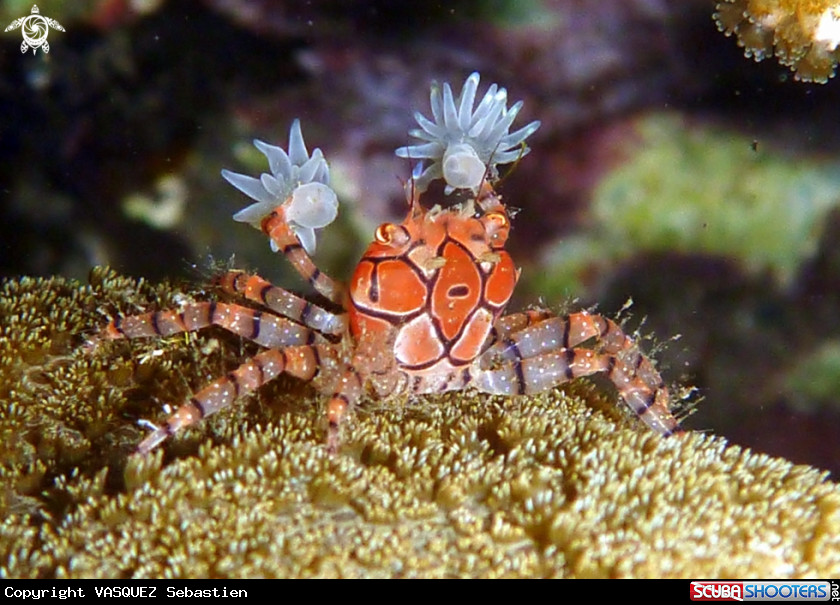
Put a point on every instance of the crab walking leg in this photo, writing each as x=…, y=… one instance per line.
x=540, y=356
x=638, y=383
x=257, y=289
x=515, y=322
x=555, y=333
x=262, y=328
x=302, y=362
x=275, y=226
x=347, y=394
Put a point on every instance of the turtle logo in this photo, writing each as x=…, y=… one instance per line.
x=35, y=30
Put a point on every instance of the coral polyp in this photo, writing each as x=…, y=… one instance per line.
x=803, y=35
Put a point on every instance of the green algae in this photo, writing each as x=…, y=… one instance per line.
x=695, y=190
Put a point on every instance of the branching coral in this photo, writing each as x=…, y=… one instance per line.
x=803, y=34
x=553, y=485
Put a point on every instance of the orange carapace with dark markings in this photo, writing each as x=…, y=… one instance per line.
x=440, y=280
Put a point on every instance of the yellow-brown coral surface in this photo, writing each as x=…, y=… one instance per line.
x=560, y=484
x=803, y=34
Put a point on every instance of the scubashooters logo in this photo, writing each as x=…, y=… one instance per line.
x=35, y=30
x=760, y=591
x=717, y=591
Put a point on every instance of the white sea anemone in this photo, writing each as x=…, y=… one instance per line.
x=298, y=180
x=463, y=144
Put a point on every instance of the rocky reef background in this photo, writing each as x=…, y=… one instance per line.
x=669, y=168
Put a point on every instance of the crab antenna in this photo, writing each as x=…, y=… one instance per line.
x=523, y=149
x=411, y=190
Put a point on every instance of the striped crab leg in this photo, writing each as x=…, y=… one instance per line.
x=284, y=239
x=373, y=366
x=515, y=322
x=265, y=329
x=257, y=289
x=346, y=396
x=546, y=354
x=305, y=362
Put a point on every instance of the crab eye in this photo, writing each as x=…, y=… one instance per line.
x=497, y=226
x=495, y=222
x=383, y=233
x=389, y=234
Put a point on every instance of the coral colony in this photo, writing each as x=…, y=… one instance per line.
x=803, y=34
